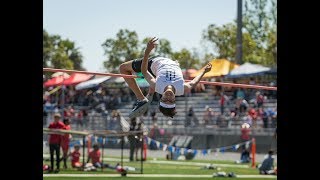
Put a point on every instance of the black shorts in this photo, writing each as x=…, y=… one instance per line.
x=136, y=65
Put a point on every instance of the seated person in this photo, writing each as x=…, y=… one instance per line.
x=94, y=156
x=245, y=156
x=75, y=157
x=267, y=164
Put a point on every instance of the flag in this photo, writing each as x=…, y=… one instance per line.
x=222, y=149
x=178, y=150
x=158, y=144
x=100, y=140
x=182, y=151
x=165, y=147
x=195, y=152
x=235, y=147
x=247, y=144
x=204, y=152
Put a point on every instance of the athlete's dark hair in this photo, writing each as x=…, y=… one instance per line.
x=168, y=111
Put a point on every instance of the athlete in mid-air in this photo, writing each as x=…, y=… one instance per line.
x=164, y=76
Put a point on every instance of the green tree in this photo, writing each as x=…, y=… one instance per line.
x=60, y=53
x=163, y=48
x=259, y=34
x=60, y=60
x=223, y=40
x=47, y=49
x=123, y=48
x=260, y=21
x=186, y=58
x=72, y=53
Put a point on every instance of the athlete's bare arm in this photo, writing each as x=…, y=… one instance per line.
x=144, y=65
x=195, y=81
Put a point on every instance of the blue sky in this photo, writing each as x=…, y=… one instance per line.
x=90, y=22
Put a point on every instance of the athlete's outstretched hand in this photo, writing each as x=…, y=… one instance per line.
x=151, y=44
x=207, y=68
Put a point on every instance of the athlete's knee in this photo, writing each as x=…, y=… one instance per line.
x=123, y=68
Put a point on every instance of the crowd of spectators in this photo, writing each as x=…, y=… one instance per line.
x=80, y=105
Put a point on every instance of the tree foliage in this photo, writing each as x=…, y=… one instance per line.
x=123, y=48
x=186, y=58
x=259, y=34
x=60, y=53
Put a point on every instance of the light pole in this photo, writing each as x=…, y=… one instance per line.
x=239, y=33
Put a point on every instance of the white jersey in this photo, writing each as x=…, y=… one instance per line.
x=167, y=72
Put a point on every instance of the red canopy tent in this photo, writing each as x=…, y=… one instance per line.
x=76, y=78
x=54, y=81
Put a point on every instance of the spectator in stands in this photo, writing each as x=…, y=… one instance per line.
x=154, y=118
x=239, y=97
x=252, y=81
x=222, y=121
x=247, y=119
x=71, y=94
x=254, y=116
x=190, y=117
x=68, y=112
x=75, y=157
x=65, y=140
x=223, y=100
x=79, y=118
x=231, y=118
x=155, y=132
x=267, y=164
x=85, y=117
x=48, y=109
x=55, y=141
x=259, y=99
x=272, y=115
x=243, y=106
x=274, y=118
x=263, y=116
x=115, y=120
x=208, y=116
x=56, y=109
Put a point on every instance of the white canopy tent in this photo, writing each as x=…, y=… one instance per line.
x=92, y=83
x=248, y=69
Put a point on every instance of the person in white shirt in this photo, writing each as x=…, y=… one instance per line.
x=164, y=76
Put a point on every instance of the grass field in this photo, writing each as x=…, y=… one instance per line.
x=161, y=167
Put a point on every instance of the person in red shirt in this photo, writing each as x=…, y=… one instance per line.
x=55, y=141
x=245, y=133
x=75, y=157
x=259, y=99
x=65, y=140
x=254, y=115
x=94, y=156
x=223, y=100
